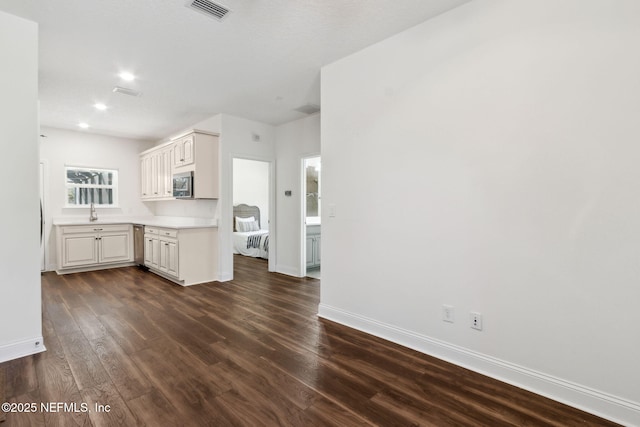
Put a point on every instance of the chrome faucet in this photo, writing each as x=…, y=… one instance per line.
x=93, y=216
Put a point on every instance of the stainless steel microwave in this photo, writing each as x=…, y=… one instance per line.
x=183, y=185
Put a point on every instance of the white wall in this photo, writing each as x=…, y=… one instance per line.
x=495, y=152
x=295, y=140
x=63, y=148
x=20, y=293
x=251, y=186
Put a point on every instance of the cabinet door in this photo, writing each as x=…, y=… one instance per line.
x=169, y=257
x=188, y=150
x=164, y=254
x=148, y=251
x=184, y=151
x=79, y=249
x=114, y=247
x=310, y=251
x=151, y=251
x=155, y=175
x=317, y=246
x=166, y=172
x=172, y=258
x=145, y=177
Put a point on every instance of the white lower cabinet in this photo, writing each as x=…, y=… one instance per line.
x=90, y=246
x=161, y=250
x=187, y=256
x=313, y=246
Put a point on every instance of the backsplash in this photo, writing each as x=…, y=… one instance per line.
x=186, y=208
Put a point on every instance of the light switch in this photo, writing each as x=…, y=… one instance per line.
x=332, y=211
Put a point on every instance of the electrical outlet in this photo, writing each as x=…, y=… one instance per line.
x=476, y=320
x=447, y=313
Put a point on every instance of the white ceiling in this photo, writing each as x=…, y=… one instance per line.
x=261, y=62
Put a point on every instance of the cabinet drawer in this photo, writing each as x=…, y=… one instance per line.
x=164, y=232
x=150, y=230
x=94, y=228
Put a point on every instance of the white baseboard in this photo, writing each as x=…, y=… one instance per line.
x=288, y=270
x=584, y=398
x=225, y=277
x=94, y=268
x=20, y=349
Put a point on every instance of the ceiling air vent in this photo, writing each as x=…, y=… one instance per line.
x=308, y=109
x=125, y=91
x=209, y=8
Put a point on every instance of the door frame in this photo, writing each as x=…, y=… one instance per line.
x=43, y=169
x=272, y=207
x=303, y=210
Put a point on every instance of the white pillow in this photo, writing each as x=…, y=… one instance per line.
x=248, y=226
x=240, y=223
x=240, y=220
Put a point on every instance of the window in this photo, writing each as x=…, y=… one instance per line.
x=91, y=185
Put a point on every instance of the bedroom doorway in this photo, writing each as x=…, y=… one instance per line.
x=252, y=196
x=311, y=212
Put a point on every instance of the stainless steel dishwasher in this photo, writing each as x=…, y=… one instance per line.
x=138, y=244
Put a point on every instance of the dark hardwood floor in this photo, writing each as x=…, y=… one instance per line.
x=250, y=352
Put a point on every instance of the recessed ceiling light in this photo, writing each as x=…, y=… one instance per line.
x=126, y=76
x=83, y=125
x=100, y=106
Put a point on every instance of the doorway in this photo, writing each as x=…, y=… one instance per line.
x=311, y=212
x=252, y=187
x=43, y=240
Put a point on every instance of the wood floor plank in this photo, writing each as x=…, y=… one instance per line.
x=251, y=351
x=33, y=417
x=153, y=409
x=325, y=412
x=88, y=322
x=3, y=394
x=106, y=406
x=57, y=384
x=20, y=377
x=123, y=372
x=189, y=384
x=126, y=337
x=83, y=361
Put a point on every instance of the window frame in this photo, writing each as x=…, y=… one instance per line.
x=114, y=186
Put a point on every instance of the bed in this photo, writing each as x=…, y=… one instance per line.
x=248, y=237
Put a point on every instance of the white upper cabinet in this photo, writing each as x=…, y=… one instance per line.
x=156, y=173
x=195, y=152
x=184, y=150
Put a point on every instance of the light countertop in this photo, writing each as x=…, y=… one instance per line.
x=156, y=221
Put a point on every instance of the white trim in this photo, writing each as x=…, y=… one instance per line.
x=62, y=271
x=590, y=400
x=225, y=277
x=21, y=349
x=288, y=270
x=303, y=210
